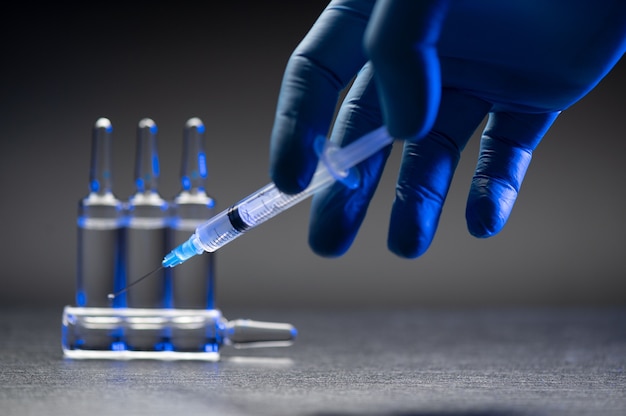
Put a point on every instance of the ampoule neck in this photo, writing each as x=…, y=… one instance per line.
x=98, y=207
x=100, y=177
x=194, y=196
x=149, y=197
x=147, y=170
x=101, y=198
x=194, y=172
x=147, y=209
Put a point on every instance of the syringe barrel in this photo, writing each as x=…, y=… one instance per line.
x=257, y=208
x=216, y=232
x=268, y=202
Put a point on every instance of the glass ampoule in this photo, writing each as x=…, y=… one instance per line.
x=193, y=283
x=100, y=228
x=147, y=212
x=146, y=240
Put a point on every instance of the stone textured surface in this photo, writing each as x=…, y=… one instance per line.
x=480, y=362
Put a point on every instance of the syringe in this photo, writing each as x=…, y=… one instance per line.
x=336, y=163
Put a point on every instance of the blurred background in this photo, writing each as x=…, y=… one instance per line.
x=62, y=68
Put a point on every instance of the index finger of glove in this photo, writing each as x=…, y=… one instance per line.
x=320, y=67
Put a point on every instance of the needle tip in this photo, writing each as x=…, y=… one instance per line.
x=111, y=296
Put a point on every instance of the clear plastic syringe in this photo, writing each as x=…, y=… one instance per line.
x=336, y=163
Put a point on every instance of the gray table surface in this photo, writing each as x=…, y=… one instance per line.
x=479, y=362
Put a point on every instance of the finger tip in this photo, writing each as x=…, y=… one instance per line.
x=288, y=178
x=327, y=247
x=485, y=217
x=481, y=230
x=489, y=206
x=286, y=184
x=330, y=242
x=407, y=249
x=412, y=228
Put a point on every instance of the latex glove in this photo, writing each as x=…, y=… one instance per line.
x=431, y=71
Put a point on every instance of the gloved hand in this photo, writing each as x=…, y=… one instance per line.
x=431, y=71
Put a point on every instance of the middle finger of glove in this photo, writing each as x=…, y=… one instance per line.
x=426, y=172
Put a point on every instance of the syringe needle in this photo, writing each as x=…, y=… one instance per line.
x=112, y=296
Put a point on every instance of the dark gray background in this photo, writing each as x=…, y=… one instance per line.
x=63, y=68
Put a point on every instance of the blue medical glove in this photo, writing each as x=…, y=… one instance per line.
x=431, y=71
